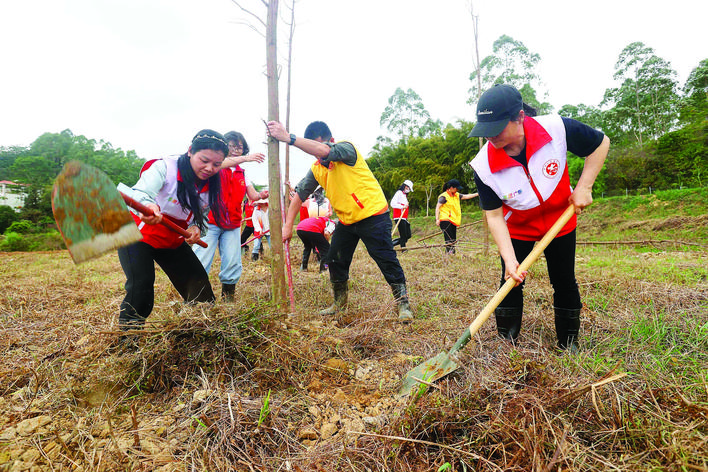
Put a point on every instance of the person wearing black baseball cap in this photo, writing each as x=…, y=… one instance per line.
x=448, y=214
x=524, y=186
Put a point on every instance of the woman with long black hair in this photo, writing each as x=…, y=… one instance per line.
x=182, y=189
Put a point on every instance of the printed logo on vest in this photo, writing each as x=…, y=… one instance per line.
x=550, y=168
x=511, y=195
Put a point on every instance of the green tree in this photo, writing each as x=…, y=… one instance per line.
x=7, y=217
x=694, y=105
x=428, y=162
x=405, y=116
x=8, y=155
x=590, y=115
x=511, y=62
x=34, y=170
x=645, y=103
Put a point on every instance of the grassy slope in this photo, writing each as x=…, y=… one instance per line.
x=196, y=381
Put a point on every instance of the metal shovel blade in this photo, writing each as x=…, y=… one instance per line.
x=90, y=213
x=429, y=371
x=435, y=368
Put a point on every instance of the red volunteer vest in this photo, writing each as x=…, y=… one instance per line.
x=531, y=200
x=159, y=236
x=233, y=189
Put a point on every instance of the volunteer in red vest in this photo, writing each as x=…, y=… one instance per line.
x=399, y=204
x=524, y=187
x=182, y=189
x=315, y=233
x=448, y=213
x=226, y=236
x=360, y=205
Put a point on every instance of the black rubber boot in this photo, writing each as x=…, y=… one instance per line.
x=303, y=266
x=340, y=290
x=254, y=256
x=568, y=328
x=227, y=292
x=400, y=293
x=509, y=321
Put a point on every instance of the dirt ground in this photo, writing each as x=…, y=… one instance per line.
x=242, y=386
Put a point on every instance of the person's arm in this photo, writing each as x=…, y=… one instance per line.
x=293, y=211
x=582, y=194
x=467, y=196
x=309, y=146
x=437, y=211
x=500, y=233
x=238, y=160
x=254, y=194
x=147, y=188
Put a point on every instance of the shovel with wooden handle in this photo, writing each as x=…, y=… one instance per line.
x=132, y=203
x=443, y=364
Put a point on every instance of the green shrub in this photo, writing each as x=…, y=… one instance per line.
x=51, y=241
x=13, y=242
x=7, y=217
x=22, y=227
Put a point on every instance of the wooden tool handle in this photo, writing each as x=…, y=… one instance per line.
x=530, y=259
x=166, y=222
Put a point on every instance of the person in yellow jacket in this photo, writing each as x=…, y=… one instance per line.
x=360, y=205
x=448, y=214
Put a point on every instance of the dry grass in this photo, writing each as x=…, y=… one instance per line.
x=241, y=387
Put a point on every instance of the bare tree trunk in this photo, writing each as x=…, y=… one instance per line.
x=475, y=22
x=287, y=102
x=428, y=194
x=275, y=217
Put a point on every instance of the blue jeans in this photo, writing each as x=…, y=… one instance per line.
x=229, y=243
x=257, y=243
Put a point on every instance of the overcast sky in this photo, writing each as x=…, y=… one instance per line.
x=146, y=75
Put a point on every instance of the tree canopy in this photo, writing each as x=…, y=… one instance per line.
x=658, y=129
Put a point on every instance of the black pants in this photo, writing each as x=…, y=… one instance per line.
x=375, y=233
x=404, y=233
x=560, y=259
x=247, y=233
x=450, y=234
x=312, y=240
x=181, y=266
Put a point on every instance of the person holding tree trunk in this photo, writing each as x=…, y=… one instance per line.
x=524, y=186
x=399, y=204
x=360, y=205
x=234, y=185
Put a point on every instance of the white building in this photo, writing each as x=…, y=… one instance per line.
x=11, y=194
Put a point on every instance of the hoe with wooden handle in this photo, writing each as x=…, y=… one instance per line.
x=443, y=364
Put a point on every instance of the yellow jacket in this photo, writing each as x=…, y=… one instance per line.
x=450, y=210
x=353, y=191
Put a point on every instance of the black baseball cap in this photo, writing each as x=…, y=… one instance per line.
x=496, y=107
